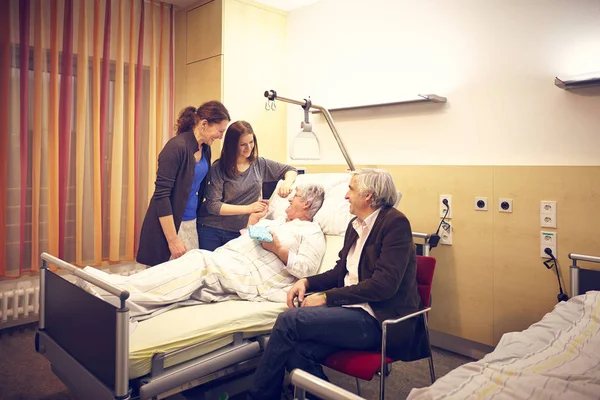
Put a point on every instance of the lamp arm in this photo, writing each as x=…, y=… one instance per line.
x=272, y=95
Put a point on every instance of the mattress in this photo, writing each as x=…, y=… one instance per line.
x=213, y=323
x=557, y=357
x=185, y=326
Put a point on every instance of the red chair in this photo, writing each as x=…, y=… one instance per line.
x=365, y=364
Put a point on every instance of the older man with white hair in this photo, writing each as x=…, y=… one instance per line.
x=243, y=268
x=373, y=280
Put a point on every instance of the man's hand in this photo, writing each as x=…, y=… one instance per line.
x=284, y=190
x=297, y=291
x=314, y=300
x=177, y=248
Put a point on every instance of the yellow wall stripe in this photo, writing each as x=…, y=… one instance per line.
x=130, y=227
x=36, y=153
x=161, y=81
x=80, y=138
x=152, y=164
x=116, y=175
x=53, y=134
x=96, y=135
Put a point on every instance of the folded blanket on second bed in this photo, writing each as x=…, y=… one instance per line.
x=558, y=357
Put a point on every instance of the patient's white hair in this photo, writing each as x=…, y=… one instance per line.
x=314, y=194
x=380, y=183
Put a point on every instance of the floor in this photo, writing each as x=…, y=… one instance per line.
x=25, y=374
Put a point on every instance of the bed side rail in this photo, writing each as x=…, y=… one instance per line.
x=303, y=382
x=425, y=245
x=89, y=329
x=583, y=280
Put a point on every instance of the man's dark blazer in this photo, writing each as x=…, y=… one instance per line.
x=387, y=281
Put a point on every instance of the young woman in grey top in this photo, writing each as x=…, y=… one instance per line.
x=235, y=185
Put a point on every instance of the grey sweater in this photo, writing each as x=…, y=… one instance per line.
x=244, y=189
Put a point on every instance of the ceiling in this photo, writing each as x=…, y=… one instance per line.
x=286, y=5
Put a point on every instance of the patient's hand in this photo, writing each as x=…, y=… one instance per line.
x=297, y=290
x=257, y=216
x=274, y=246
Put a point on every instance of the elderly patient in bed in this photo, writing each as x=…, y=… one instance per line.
x=244, y=268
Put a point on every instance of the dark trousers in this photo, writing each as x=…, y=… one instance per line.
x=210, y=238
x=304, y=337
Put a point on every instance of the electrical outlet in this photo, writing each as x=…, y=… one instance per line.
x=548, y=214
x=547, y=221
x=505, y=205
x=481, y=204
x=548, y=239
x=446, y=233
x=443, y=207
x=547, y=207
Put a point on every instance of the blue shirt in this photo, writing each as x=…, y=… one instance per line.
x=192, y=204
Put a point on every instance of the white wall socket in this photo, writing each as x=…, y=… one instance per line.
x=481, y=204
x=446, y=233
x=443, y=207
x=548, y=214
x=505, y=205
x=548, y=239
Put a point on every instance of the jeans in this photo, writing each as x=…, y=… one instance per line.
x=210, y=238
x=304, y=337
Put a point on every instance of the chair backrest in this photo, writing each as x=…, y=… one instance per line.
x=425, y=269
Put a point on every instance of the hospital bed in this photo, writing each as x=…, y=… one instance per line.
x=557, y=357
x=91, y=349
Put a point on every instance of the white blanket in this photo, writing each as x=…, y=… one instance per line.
x=242, y=268
x=558, y=357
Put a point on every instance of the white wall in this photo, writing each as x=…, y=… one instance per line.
x=495, y=61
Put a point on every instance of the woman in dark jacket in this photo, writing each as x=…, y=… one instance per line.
x=169, y=228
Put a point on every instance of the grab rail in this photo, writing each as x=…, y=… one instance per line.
x=303, y=381
x=582, y=257
x=78, y=272
x=574, y=270
x=425, y=237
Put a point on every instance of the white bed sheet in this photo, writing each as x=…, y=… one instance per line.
x=557, y=357
x=181, y=327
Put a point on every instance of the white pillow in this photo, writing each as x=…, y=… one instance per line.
x=334, y=215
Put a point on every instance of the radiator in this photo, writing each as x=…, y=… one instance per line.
x=19, y=302
x=20, y=299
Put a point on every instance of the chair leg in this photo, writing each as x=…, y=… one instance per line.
x=357, y=386
x=431, y=369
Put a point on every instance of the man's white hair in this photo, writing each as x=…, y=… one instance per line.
x=379, y=183
x=314, y=194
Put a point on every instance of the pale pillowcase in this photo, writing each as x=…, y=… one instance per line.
x=334, y=215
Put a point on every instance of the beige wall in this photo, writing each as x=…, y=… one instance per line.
x=232, y=51
x=491, y=280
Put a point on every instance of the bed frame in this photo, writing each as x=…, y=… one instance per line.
x=583, y=280
x=86, y=340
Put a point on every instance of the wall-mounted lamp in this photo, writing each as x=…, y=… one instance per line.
x=306, y=145
x=306, y=142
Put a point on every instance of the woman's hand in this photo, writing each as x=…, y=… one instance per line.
x=259, y=206
x=284, y=190
x=177, y=248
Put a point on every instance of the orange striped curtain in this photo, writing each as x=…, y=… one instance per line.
x=77, y=144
